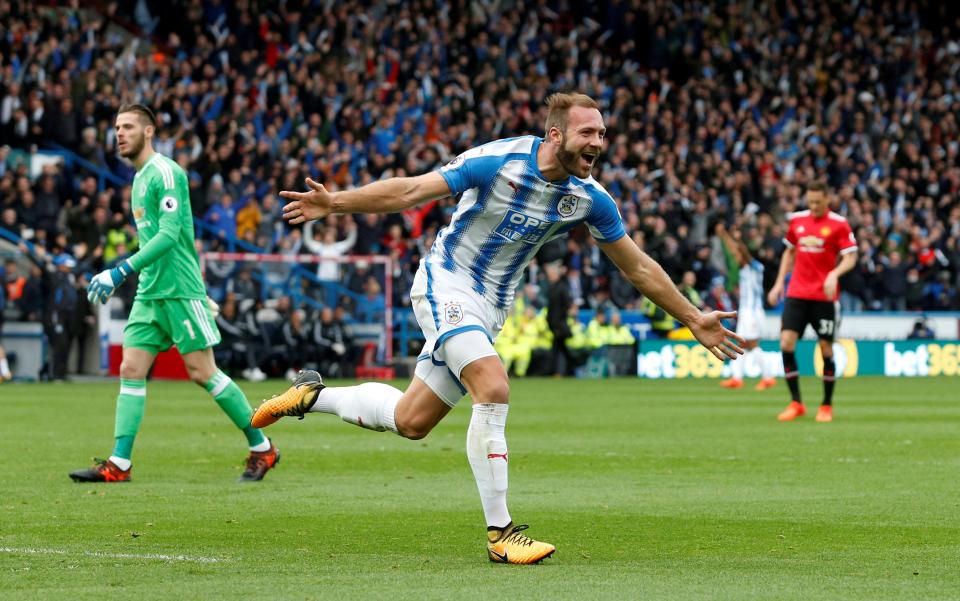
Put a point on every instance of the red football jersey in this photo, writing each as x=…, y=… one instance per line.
x=818, y=241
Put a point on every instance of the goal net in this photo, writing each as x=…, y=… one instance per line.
x=270, y=291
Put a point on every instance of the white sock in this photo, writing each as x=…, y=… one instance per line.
x=120, y=462
x=487, y=452
x=5, y=368
x=370, y=405
x=737, y=366
x=263, y=446
x=757, y=354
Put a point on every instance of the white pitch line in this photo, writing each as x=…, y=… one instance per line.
x=156, y=556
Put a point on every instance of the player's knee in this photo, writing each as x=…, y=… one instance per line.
x=199, y=375
x=495, y=391
x=132, y=371
x=412, y=426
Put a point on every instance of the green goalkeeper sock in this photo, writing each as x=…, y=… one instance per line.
x=234, y=403
x=130, y=403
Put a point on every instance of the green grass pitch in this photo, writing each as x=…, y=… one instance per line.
x=649, y=489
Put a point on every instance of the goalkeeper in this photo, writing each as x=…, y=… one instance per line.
x=170, y=307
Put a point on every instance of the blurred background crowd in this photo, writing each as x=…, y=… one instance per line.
x=715, y=112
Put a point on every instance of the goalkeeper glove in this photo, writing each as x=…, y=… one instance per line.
x=213, y=307
x=105, y=283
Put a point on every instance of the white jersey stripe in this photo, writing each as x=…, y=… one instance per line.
x=508, y=210
x=202, y=320
x=167, y=174
x=496, y=241
x=205, y=322
x=163, y=168
x=751, y=286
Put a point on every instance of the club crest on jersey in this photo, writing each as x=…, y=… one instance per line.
x=138, y=213
x=168, y=204
x=567, y=205
x=453, y=313
x=825, y=231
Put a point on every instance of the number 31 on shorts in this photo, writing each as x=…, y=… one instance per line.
x=826, y=327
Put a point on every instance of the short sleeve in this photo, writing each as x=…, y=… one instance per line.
x=604, y=220
x=170, y=194
x=846, y=241
x=471, y=169
x=790, y=239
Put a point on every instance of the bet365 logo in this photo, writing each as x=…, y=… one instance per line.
x=931, y=359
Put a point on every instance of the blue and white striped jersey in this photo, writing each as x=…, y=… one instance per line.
x=751, y=286
x=508, y=211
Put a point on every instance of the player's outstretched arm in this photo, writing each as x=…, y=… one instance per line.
x=651, y=280
x=385, y=196
x=786, y=265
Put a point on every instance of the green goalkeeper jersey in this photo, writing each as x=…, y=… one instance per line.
x=167, y=260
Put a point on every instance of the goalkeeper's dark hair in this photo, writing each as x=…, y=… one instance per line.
x=142, y=110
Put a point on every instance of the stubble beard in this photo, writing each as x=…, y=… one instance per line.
x=134, y=148
x=569, y=160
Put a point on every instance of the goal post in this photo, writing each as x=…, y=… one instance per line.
x=312, y=282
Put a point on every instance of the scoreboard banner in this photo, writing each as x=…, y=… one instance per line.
x=910, y=358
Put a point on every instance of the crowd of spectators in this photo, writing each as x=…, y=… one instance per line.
x=714, y=112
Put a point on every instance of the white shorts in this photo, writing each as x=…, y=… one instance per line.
x=445, y=306
x=749, y=324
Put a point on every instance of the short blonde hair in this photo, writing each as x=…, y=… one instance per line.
x=558, y=105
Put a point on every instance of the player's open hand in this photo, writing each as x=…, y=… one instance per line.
x=307, y=206
x=711, y=333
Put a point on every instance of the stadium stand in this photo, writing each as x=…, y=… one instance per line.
x=714, y=113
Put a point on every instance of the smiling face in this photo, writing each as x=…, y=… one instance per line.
x=133, y=133
x=581, y=143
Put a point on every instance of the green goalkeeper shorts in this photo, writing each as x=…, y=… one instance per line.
x=156, y=325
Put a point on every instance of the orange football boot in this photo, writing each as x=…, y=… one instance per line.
x=794, y=410
x=510, y=546
x=295, y=402
x=104, y=471
x=259, y=463
x=765, y=383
